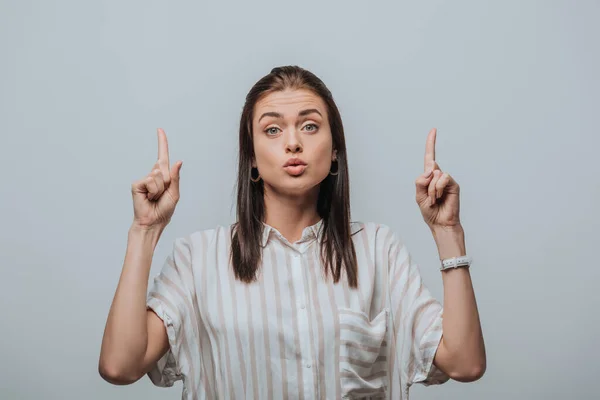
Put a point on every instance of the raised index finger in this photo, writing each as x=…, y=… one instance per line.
x=163, y=147
x=430, y=149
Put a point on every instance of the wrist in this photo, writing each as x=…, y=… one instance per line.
x=145, y=234
x=450, y=241
x=439, y=229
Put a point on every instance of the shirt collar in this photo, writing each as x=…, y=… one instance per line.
x=310, y=232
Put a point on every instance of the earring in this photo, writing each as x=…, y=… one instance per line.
x=254, y=179
x=337, y=170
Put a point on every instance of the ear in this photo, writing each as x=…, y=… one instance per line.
x=253, y=164
x=334, y=155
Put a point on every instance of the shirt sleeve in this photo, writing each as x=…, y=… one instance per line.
x=171, y=296
x=416, y=317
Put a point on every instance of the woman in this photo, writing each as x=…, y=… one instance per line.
x=293, y=300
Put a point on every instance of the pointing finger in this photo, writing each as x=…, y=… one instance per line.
x=163, y=155
x=430, y=149
x=163, y=147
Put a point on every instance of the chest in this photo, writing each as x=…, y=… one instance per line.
x=292, y=296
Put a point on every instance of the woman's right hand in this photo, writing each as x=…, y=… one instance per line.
x=156, y=195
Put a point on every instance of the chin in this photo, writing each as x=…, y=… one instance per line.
x=294, y=186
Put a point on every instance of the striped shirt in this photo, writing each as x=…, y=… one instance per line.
x=294, y=334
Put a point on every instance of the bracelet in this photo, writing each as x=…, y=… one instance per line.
x=455, y=262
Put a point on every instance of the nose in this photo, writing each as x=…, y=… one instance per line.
x=293, y=145
x=295, y=148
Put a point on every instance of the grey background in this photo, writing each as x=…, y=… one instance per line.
x=511, y=86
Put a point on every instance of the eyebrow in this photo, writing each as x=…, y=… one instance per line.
x=300, y=114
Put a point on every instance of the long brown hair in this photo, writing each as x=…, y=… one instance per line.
x=333, y=203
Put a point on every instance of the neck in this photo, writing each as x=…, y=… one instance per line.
x=291, y=214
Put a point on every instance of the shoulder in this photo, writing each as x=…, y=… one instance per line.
x=208, y=234
x=204, y=239
x=374, y=230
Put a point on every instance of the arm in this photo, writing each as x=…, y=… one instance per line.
x=461, y=353
x=134, y=338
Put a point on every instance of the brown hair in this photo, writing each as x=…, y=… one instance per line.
x=333, y=203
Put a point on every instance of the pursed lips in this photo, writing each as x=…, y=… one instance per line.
x=294, y=162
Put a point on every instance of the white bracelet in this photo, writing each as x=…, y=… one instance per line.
x=454, y=262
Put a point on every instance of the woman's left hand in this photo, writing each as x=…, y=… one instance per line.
x=437, y=192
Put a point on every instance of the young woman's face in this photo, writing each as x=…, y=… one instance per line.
x=287, y=125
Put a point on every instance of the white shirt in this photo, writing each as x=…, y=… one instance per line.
x=293, y=334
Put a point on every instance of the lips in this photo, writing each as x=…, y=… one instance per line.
x=294, y=166
x=295, y=170
x=292, y=162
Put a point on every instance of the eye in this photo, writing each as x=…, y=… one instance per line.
x=272, y=130
x=314, y=127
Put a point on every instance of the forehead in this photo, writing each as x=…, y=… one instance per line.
x=290, y=100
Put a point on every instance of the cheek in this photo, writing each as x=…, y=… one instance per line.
x=322, y=158
x=264, y=152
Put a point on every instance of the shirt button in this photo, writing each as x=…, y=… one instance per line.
x=308, y=366
x=302, y=306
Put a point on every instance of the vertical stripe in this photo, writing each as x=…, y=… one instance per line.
x=401, y=276
x=250, y=327
x=314, y=268
x=386, y=298
x=274, y=364
x=281, y=332
x=423, y=304
x=219, y=271
x=383, y=250
x=241, y=361
x=311, y=319
x=396, y=274
x=296, y=327
x=203, y=354
x=336, y=343
x=383, y=255
x=395, y=379
x=265, y=328
x=367, y=286
x=346, y=286
x=192, y=374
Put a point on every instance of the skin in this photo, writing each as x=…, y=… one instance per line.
x=290, y=201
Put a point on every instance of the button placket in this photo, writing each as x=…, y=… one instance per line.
x=298, y=277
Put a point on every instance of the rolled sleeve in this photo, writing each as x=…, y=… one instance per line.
x=424, y=370
x=165, y=373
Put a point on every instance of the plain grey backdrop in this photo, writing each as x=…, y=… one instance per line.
x=511, y=86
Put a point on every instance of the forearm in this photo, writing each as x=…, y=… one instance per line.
x=462, y=338
x=126, y=333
